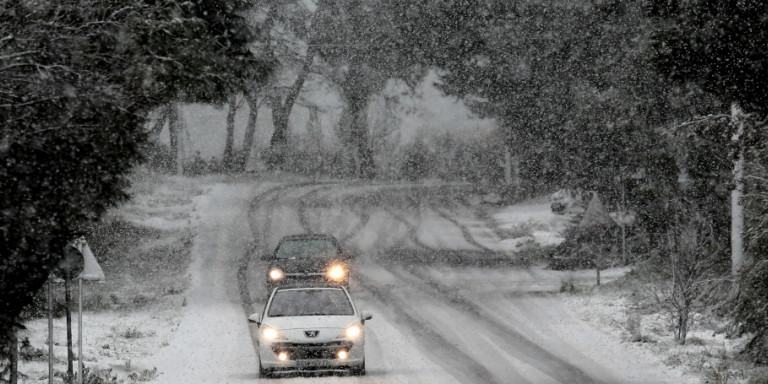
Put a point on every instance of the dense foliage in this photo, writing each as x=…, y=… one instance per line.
x=718, y=44
x=752, y=309
x=77, y=79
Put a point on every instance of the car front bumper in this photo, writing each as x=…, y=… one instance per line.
x=311, y=356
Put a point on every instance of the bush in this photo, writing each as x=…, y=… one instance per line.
x=159, y=157
x=417, y=162
x=98, y=376
x=752, y=310
x=758, y=376
x=586, y=249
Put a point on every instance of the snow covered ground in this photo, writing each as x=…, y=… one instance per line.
x=708, y=353
x=131, y=317
x=436, y=319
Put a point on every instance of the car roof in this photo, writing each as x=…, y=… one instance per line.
x=308, y=236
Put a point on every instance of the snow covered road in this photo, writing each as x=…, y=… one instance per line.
x=431, y=326
x=450, y=304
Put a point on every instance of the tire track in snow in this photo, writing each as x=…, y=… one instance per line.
x=302, y=207
x=306, y=223
x=413, y=230
x=459, y=363
x=364, y=217
x=426, y=254
x=469, y=371
x=533, y=354
x=482, y=215
x=259, y=238
x=464, y=230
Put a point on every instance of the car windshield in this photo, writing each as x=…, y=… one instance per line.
x=310, y=302
x=306, y=248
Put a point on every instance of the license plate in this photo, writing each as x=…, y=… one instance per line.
x=312, y=363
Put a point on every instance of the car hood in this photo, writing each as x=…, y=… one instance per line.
x=310, y=322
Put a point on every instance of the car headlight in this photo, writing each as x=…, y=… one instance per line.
x=336, y=272
x=276, y=274
x=353, y=331
x=270, y=333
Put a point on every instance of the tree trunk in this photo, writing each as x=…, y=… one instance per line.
x=14, y=358
x=68, y=312
x=517, y=176
x=176, y=131
x=682, y=325
x=250, y=129
x=157, y=128
x=281, y=110
x=279, y=141
x=737, y=209
x=229, y=143
x=597, y=276
x=173, y=137
x=359, y=136
x=507, y=167
x=314, y=127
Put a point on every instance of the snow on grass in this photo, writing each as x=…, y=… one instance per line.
x=114, y=340
x=143, y=247
x=161, y=201
x=500, y=281
x=707, y=355
x=532, y=218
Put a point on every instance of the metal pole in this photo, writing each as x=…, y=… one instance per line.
x=68, y=301
x=50, y=329
x=80, y=329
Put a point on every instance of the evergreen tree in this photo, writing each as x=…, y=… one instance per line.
x=77, y=80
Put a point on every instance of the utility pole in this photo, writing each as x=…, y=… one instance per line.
x=80, y=329
x=737, y=209
x=68, y=310
x=50, y=329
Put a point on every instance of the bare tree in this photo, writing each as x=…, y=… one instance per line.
x=229, y=143
x=284, y=34
x=693, y=255
x=282, y=107
x=176, y=133
x=162, y=119
x=252, y=98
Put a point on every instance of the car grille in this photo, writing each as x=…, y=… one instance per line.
x=307, y=351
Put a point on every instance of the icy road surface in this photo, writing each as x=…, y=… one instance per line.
x=450, y=304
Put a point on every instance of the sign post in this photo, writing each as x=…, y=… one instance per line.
x=91, y=272
x=50, y=329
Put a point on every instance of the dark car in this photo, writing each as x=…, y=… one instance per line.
x=307, y=258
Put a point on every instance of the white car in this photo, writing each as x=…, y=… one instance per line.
x=311, y=328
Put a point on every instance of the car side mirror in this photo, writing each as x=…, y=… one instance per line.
x=365, y=316
x=255, y=318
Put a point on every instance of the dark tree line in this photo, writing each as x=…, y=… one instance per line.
x=77, y=79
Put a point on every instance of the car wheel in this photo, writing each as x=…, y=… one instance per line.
x=359, y=370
